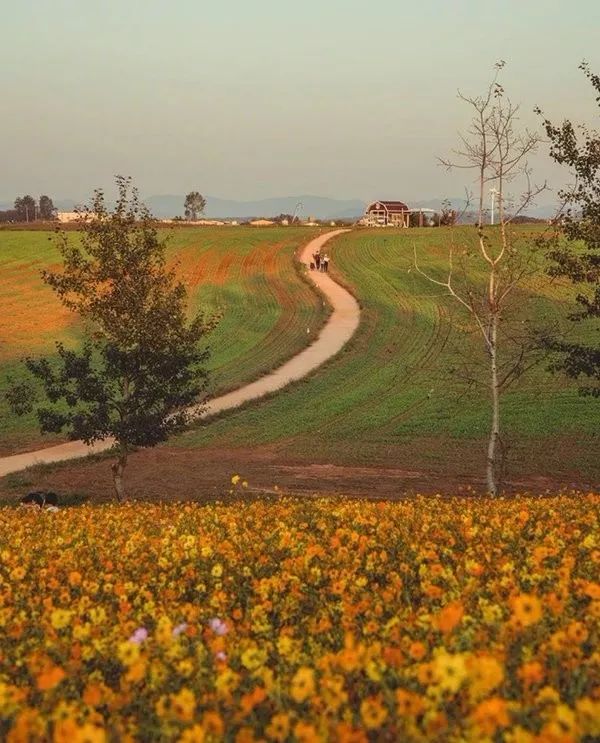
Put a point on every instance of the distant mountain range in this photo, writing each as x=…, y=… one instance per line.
x=170, y=205
x=311, y=206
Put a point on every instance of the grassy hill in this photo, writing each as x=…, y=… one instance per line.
x=387, y=413
x=247, y=274
x=389, y=399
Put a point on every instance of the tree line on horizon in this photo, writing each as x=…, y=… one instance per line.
x=27, y=209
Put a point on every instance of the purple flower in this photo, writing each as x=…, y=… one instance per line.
x=218, y=626
x=139, y=636
x=179, y=629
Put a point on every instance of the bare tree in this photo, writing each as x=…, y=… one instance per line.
x=497, y=152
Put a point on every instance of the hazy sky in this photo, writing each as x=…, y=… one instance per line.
x=256, y=98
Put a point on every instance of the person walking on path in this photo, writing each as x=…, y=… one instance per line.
x=318, y=261
x=325, y=263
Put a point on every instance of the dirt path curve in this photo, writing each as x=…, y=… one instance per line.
x=335, y=334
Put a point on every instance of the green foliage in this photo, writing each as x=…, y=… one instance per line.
x=575, y=247
x=47, y=210
x=25, y=208
x=142, y=364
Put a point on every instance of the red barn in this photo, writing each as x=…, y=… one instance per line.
x=386, y=214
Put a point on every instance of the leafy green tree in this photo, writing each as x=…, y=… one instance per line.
x=143, y=363
x=25, y=207
x=46, y=209
x=194, y=205
x=574, y=247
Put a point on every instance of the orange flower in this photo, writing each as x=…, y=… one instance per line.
x=373, y=713
x=92, y=695
x=393, y=656
x=345, y=733
x=74, y=578
x=306, y=733
x=592, y=589
x=527, y=610
x=50, y=677
x=253, y=698
x=490, y=715
x=409, y=704
x=212, y=723
x=417, y=650
x=531, y=673
x=425, y=674
x=577, y=632
x=449, y=617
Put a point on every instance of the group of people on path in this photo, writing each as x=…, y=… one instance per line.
x=320, y=262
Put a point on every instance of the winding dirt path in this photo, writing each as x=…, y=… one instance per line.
x=334, y=335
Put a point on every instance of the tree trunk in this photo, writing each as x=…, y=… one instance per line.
x=492, y=454
x=118, y=469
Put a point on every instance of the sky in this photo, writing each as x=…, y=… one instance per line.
x=249, y=99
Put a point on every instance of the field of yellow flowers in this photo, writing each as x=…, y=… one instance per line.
x=429, y=619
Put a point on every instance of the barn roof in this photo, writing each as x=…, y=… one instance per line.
x=389, y=206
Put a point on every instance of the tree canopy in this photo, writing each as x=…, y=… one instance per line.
x=574, y=248
x=194, y=205
x=143, y=363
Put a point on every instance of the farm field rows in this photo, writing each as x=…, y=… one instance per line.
x=389, y=399
x=247, y=274
x=431, y=619
x=386, y=414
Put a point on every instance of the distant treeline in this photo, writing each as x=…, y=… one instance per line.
x=27, y=209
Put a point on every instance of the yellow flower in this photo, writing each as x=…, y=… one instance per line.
x=194, y=734
x=279, y=727
x=128, y=653
x=253, y=658
x=227, y=682
x=527, y=610
x=18, y=573
x=185, y=667
x=217, y=570
x=60, y=618
x=183, y=704
x=450, y=670
x=332, y=690
x=588, y=715
x=373, y=713
x=486, y=674
x=235, y=479
x=303, y=684
x=90, y=733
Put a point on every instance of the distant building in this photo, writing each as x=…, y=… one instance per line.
x=386, y=214
x=68, y=216
x=261, y=222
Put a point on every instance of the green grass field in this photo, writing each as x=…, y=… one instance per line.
x=389, y=398
x=246, y=274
